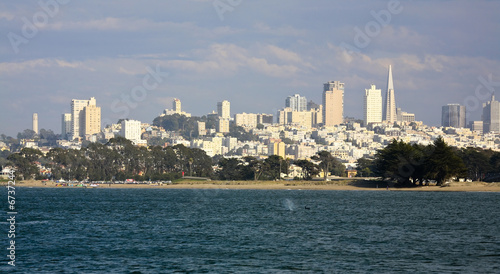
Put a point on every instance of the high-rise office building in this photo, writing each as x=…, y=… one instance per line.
x=453, y=115
x=35, y=122
x=372, y=105
x=66, y=125
x=491, y=116
x=312, y=105
x=296, y=102
x=92, y=120
x=333, y=103
x=389, y=111
x=79, y=123
x=224, y=110
x=476, y=126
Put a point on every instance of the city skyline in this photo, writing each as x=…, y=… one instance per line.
x=135, y=66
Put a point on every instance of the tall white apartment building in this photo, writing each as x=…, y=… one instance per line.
x=372, y=105
x=246, y=119
x=66, y=125
x=333, y=103
x=80, y=126
x=296, y=102
x=131, y=130
x=224, y=110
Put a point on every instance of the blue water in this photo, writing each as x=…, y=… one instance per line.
x=220, y=231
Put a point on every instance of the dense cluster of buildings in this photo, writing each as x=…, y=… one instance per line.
x=300, y=129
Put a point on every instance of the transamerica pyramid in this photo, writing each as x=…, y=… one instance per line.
x=389, y=111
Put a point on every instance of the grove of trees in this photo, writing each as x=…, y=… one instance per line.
x=408, y=164
x=119, y=159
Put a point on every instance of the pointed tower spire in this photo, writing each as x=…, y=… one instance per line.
x=390, y=101
x=390, y=84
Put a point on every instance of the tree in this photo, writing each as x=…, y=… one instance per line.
x=394, y=162
x=338, y=168
x=240, y=133
x=326, y=162
x=200, y=163
x=444, y=162
x=256, y=166
x=309, y=169
x=47, y=137
x=274, y=165
x=229, y=169
x=364, y=167
x=31, y=154
x=477, y=162
x=26, y=134
x=3, y=158
x=24, y=162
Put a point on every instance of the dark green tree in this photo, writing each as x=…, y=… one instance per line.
x=477, y=162
x=364, y=167
x=444, y=162
x=309, y=169
x=326, y=162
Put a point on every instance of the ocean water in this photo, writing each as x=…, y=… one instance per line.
x=256, y=231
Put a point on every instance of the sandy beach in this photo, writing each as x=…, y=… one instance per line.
x=305, y=185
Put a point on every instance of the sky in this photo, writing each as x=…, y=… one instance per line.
x=134, y=57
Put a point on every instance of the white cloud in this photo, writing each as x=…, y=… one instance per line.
x=279, y=31
x=23, y=66
x=228, y=59
x=117, y=24
x=7, y=16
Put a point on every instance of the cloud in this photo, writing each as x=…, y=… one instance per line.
x=7, y=16
x=117, y=24
x=263, y=28
x=228, y=59
x=30, y=65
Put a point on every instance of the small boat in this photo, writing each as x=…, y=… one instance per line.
x=94, y=185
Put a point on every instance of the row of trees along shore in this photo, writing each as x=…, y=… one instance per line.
x=119, y=159
x=416, y=164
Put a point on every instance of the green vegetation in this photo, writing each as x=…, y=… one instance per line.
x=328, y=163
x=251, y=168
x=119, y=159
x=409, y=165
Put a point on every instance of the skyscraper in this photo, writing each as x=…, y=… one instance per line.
x=223, y=109
x=79, y=120
x=35, y=122
x=453, y=115
x=91, y=119
x=389, y=110
x=296, y=102
x=491, y=116
x=66, y=125
x=333, y=103
x=372, y=105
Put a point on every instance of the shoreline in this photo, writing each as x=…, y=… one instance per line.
x=283, y=185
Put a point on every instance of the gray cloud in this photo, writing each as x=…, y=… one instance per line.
x=262, y=52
